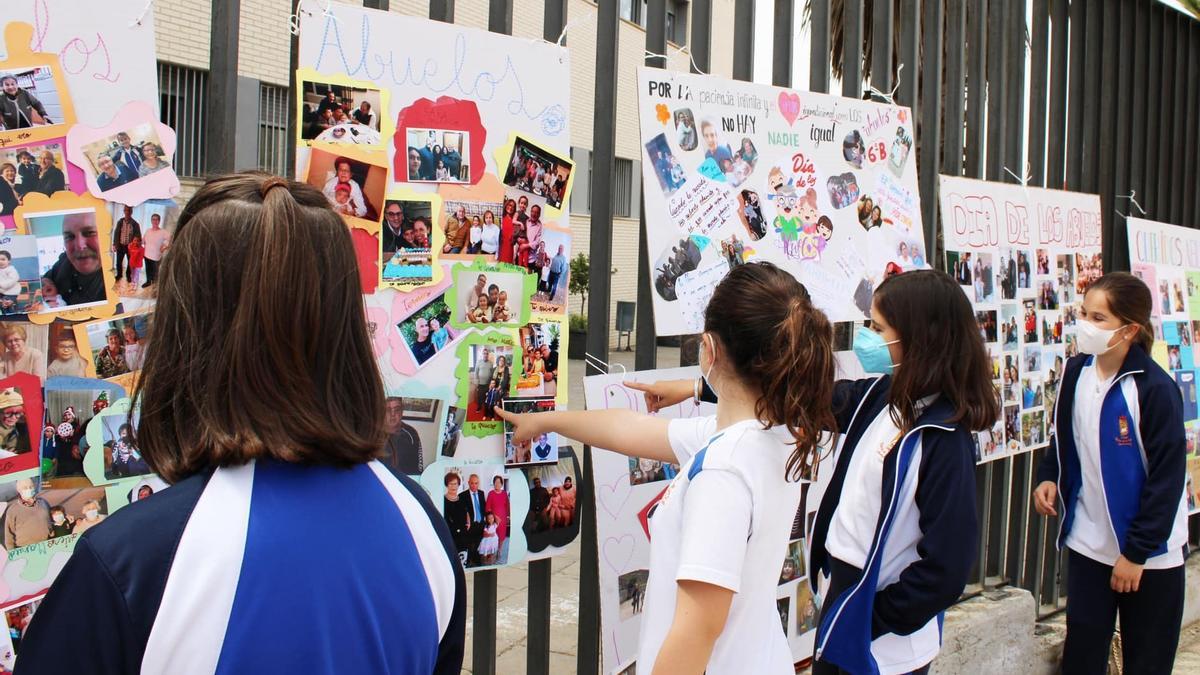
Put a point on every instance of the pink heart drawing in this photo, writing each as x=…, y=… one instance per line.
x=618, y=551
x=789, y=106
x=612, y=497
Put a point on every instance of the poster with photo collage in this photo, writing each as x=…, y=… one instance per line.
x=1024, y=257
x=1167, y=258
x=87, y=211
x=734, y=172
x=454, y=187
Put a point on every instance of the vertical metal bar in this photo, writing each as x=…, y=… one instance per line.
x=1107, y=112
x=375, y=4
x=910, y=57
x=983, y=499
x=656, y=32
x=743, y=40
x=1056, y=131
x=976, y=85
x=646, y=356
x=1075, y=110
x=1153, y=93
x=1038, y=95
x=701, y=41
x=1164, y=147
x=554, y=20
x=222, y=84
x=930, y=140
x=997, y=88
x=781, y=46
x=1120, y=180
x=852, y=48
x=289, y=133
x=1093, y=48
x=483, y=623
x=956, y=59
x=1177, y=73
x=500, y=16
x=604, y=138
x=1192, y=172
x=1137, y=93
x=883, y=19
x=1014, y=115
x=441, y=10
x=819, y=28
x=537, y=646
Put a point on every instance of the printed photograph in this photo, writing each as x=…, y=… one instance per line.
x=69, y=412
x=1006, y=274
x=69, y=259
x=1090, y=268
x=339, y=114
x=32, y=98
x=490, y=368
x=1012, y=426
x=870, y=214
x=20, y=280
x=17, y=449
x=751, y=215
x=492, y=297
x=632, y=592
x=354, y=189
x=1031, y=391
x=783, y=605
x=798, y=531
x=140, y=241
x=806, y=609
x=1047, y=295
x=413, y=428
x=117, y=345
x=122, y=459
x=1010, y=332
x=476, y=507
x=34, y=514
x=680, y=259
x=126, y=156
x=452, y=430
x=405, y=254
x=902, y=144
x=428, y=331
x=983, y=278
x=843, y=191
x=1031, y=328
x=17, y=620
x=1033, y=431
x=854, y=149
x=63, y=357
x=987, y=325
x=538, y=172
x=793, y=563
x=439, y=156
x=552, y=497
x=667, y=168
x=685, y=130
x=473, y=229
x=549, y=261
x=1024, y=271
x=540, y=450
x=539, y=360
x=38, y=167
x=642, y=470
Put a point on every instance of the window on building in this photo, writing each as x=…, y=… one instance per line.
x=634, y=10
x=181, y=106
x=272, y=129
x=677, y=19
x=623, y=188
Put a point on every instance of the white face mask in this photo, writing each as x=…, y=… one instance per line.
x=91, y=514
x=1094, y=339
x=26, y=494
x=58, y=519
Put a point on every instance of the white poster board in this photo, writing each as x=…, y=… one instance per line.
x=825, y=187
x=1024, y=257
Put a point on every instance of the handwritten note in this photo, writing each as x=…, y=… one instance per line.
x=897, y=202
x=701, y=207
x=694, y=290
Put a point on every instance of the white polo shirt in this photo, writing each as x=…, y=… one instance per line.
x=724, y=520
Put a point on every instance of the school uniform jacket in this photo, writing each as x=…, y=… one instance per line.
x=263, y=568
x=1143, y=457
x=917, y=586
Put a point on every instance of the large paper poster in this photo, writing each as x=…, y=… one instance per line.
x=446, y=150
x=822, y=186
x=1024, y=257
x=1167, y=258
x=625, y=490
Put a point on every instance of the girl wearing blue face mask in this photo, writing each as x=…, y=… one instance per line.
x=719, y=533
x=1116, y=468
x=895, y=534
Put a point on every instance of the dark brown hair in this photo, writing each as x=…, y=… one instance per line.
x=944, y=353
x=259, y=344
x=1130, y=300
x=781, y=345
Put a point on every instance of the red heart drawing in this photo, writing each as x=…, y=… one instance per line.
x=789, y=106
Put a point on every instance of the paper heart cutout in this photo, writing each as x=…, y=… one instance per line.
x=789, y=106
x=612, y=497
x=618, y=550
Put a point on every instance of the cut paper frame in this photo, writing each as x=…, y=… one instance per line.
x=366, y=250
x=393, y=308
x=437, y=239
x=462, y=388
x=519, y=307
x=446, y=114
x=162, y=184
x=503, y=156
x=18, y=36
x=387, y=124
x=93, y=462
x=118, y=494
x=84, y=346
x=26, y=464
x=36, y=204
x=432, y=479
x=357, y=154
x=75, y=177
x=559, y=235
x=488, y=189
x=415, y=388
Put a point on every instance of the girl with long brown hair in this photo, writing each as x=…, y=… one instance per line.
x=895, y=534
x=1116, y=467
x=720, y=532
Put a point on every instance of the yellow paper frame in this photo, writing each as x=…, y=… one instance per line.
x=18, y=36
x=437, y=238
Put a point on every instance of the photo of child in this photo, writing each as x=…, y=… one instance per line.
x=541, y=450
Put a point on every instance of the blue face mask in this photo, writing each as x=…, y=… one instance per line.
x=873, y=352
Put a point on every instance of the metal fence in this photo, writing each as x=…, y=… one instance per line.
x=1113, y=94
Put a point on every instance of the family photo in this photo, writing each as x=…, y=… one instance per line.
x=428, y=330
x=685, y=130
x=439, y=156
x=632, y=592
x=491, y=373
x=69, y=412
x=405, y=255
x=354, y=189
x=35, y=168
x=478, y=511
x=541, y=450
x=670, y=173
x=412, y=431
x=539, y=360
x=30, y=98
x=843, y=191
x=549, y=262
x=681, y=259
x=117, y=345
x=751, y=215
x=473, y=229
x=538, y=172
x=69, y=258
x=32, y=513
x=126, y=156
x=141, y=238
x=493, y=297
x=340, y=114
x=642, y=470
x=552, y=496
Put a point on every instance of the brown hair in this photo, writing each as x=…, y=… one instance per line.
x=259, y=345
x=943, y=351
x=1130, y=300
x=781, y=345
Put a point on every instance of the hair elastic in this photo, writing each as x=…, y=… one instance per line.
x=270, y=183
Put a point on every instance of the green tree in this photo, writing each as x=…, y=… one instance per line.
x=580, y=270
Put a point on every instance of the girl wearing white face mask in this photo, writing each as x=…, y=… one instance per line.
x=1116, y=469
x=896, y=533
x=719, y=534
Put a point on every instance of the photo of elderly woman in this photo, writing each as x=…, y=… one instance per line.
x=126, y=156
x=116, y=344
x=339, y=114
x=29, y=98
x=441, y=156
